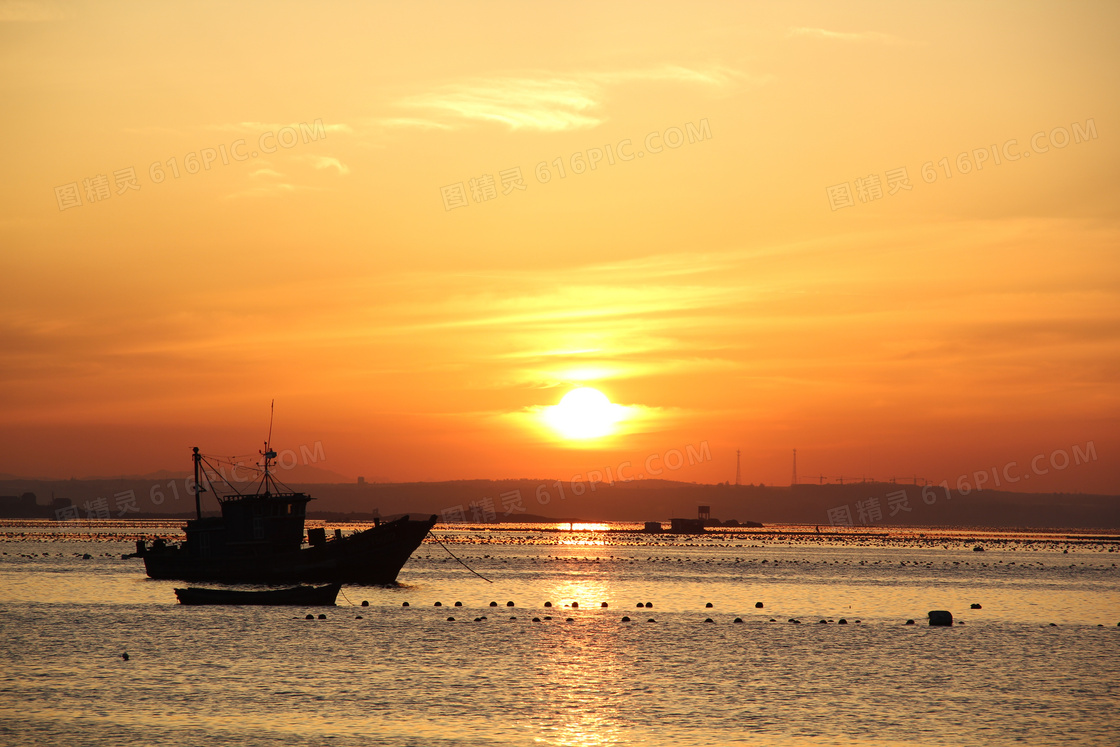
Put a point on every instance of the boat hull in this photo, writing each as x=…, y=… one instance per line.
x=374, y=556
x=303, y=596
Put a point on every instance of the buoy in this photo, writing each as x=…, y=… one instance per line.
x=603, y=605
x=823, y=622
x=976, y=606
x=493, y=604
x=548, y=604
x=909, y=622
x=709, y=620
x=651, y=620
x=649, y=605
x=758, y=605
x=439, y=604
x=125, y=656
x=357, y=617
x=322, y=616
x=509, y=604
x=569, y=619
x=625, y=619
x=1053, y=625
x=536, y=619
x=478, y=619
x=511, y=617
x=940, y=617
x=451, y=619
x=309, y=617
x=547, y=617
x=575, y=605
x=458, y=604
x=841, y=621
x=641, y=606
x=404, y=604
x=709, y=605
x=365, y=603
x=738, y=620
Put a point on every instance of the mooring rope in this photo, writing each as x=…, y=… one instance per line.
x=343, y=593
x=472, y=570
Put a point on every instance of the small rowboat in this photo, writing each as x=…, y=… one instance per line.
x=303, y=596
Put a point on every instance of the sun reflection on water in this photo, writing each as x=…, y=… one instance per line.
x=582, y=671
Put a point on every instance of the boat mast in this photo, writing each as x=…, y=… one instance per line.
x=268, y=453
x=197, y=485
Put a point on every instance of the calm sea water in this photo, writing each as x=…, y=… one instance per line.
x=408, y=676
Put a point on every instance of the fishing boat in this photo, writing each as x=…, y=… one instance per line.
x=303, y=596
x=259, y=538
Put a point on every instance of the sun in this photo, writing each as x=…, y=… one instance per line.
x=584, y=413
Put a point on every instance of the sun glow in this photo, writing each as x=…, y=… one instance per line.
x=584, y=413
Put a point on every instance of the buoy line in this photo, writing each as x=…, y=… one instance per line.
x=472, y=570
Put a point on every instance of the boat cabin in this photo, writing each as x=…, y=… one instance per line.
x=257, y=524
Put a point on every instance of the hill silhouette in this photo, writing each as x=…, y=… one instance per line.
x=861, y=504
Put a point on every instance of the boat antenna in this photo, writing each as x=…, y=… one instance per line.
x=271, y=417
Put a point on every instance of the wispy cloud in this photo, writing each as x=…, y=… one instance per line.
x=547, y=102
x=329, y=162
x=846, y=36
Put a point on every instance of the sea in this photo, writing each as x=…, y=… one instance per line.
x=775, y=636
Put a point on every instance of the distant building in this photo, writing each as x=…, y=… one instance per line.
x=687, y=526
x=19, y=506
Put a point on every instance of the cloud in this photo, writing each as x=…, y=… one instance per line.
x=546, y=103
x=549, y=104
x=844, y=36
x=328, y=162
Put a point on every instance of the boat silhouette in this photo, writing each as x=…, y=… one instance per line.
x=303, y=596
x=259, y=538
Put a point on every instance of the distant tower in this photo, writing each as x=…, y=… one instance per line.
x=793, y=480
x=738, y=470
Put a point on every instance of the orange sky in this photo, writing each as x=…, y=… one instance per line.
x=717, y=289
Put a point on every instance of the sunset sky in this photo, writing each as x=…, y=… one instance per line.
x=343, y=254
